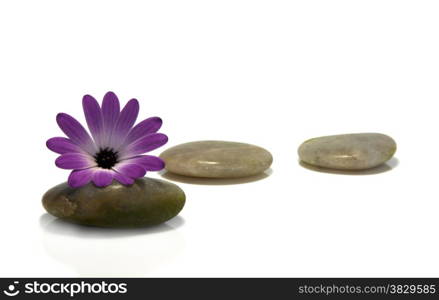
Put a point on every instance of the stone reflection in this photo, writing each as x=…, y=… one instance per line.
x=102, y=252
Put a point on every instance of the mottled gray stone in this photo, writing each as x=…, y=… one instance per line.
x=217, y=159
x=147, y=202
x=348, y=151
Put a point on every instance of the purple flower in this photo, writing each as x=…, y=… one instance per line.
x=113, y=151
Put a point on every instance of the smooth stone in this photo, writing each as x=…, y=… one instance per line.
x=217, y=159
x=358, y=151
x=146, y=202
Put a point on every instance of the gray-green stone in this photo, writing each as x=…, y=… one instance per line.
x=348, y=151
x=217, y=159
x=147, y=202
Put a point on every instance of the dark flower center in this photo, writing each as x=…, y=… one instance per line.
x=106, y=158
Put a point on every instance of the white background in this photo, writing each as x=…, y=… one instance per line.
x=270, y=73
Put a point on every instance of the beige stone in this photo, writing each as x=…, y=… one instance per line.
x=348, y=151
x=217, y=159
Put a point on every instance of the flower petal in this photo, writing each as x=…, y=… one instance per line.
x=144, y=144
x=150, y=125
x=148, y=162
x=125, y=122
x=74, y=160
x=80, y=178
x=131, y=170
x=62, y=145
x=123, y=179
x=102, y=177
x=93, y=116
x=77, y=134
x=110, y=114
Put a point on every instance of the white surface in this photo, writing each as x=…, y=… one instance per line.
x=271, y=73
